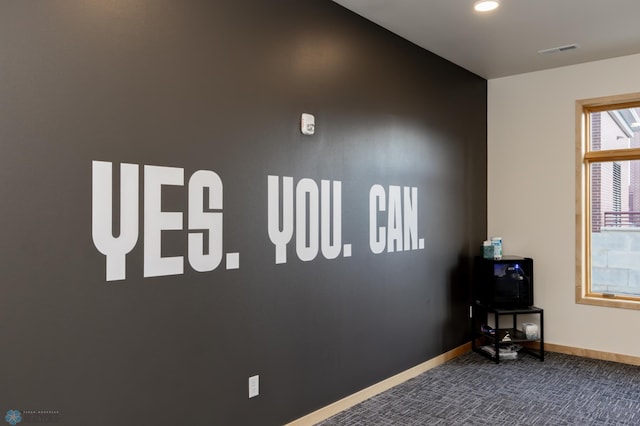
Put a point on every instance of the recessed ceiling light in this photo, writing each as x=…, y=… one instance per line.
x=486, y=5
x=635, y=124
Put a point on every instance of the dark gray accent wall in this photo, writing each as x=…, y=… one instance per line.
x=220, y=85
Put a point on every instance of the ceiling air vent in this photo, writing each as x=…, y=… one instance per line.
x=558, y=49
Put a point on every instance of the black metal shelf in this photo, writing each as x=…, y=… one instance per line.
x=480, y=314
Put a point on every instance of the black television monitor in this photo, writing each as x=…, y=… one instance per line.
x=505, y=283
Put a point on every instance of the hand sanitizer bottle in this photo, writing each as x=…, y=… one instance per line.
x=496, y=242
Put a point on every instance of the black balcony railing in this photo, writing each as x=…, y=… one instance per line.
x=621, y=219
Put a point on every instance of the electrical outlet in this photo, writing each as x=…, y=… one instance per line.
x=254, y=386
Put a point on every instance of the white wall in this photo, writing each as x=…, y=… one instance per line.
x=531, y=192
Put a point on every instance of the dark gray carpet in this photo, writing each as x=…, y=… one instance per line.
x=471, y=390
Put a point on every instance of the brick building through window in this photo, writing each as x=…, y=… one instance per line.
x=615, y=186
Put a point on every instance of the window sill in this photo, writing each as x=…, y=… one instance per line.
x=610, y=302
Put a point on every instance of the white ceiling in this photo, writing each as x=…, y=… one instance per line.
x=506, y=41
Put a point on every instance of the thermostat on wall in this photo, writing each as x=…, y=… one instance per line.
x=307, y=124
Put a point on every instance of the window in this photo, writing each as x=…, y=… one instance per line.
x=608, y=201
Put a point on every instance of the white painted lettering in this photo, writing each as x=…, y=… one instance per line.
x=394, y=220
x=401, y=232
x=203, y=222
x=410, y=210
x=114, y=248
x=331, y=250
x=318, y=218
x=280, y=237
x=377, y=203
x=307, y=220
x=156, y=221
